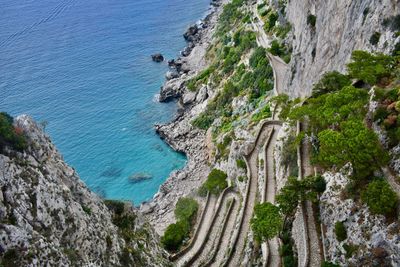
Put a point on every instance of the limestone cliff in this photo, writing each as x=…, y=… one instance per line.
x=341, y=27
x=48, y=217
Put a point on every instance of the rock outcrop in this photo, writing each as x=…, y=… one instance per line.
x=48, y=217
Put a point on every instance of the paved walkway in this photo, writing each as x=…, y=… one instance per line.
x=252, y=160
x=315, y=257
x=274, y=259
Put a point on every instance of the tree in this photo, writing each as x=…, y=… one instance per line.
x=330, y=82
x=380, y=197
x=174, y=235
x=289, y=196
x=216, y=181
x=267, y=221
x=354, y=143
x=328, y=110
x=186, y=208
x=371, y=68
x=296, y=190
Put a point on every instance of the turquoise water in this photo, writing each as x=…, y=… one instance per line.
x=85, y=67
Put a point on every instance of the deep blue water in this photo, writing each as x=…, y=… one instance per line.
x=84, y=66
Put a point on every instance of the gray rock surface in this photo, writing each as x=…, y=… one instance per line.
x=341, y=27
x=48, y=217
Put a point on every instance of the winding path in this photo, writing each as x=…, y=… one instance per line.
x=273, y=258
x=250, y=200
x=217, y=243
x=314, y=244
x=200, y=236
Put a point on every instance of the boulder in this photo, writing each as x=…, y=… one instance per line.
x=157, y=57
x=188, y=97
x=190, y=33
x=172, y=74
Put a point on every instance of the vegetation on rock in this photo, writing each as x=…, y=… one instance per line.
x=380, y=197
x=267, y=221
x=10, y=135
x=176, y=233
x=216, y=181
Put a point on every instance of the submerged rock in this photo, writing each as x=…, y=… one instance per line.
x=157, y=57
x=140, y=176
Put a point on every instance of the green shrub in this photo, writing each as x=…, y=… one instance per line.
x=229, y=17
x=271, y=21
x=340, y=231
x=267, y=221
x=115, y=206
x=392, y=22
x=264, y=113
x=9, y=135
x=380, y=114
x=374, y=40
x=242, y=178
x=371, y=68
x=261, y=5
x=216, y=181
x=311, y=20
x=380, y=197
x=203, y=121
x=174, y=235
x=319, y=184
x=330, y=82
x=354, y=143
x=282, y=30
x=186, y=208
x=350, y=249
x=276, y=49
x=241, y=164
x=87, y=209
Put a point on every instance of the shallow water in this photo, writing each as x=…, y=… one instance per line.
x=85, y=67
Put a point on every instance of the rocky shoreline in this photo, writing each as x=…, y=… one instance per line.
x=179, y=133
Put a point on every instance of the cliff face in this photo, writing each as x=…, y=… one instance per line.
x=341, y=27
x=50, y=218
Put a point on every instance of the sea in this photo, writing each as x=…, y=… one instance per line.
x=84, y=68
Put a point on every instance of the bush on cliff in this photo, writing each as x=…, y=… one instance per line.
x=340, y=231
x=185, y=212
x=330, y=82
x=174, y=235
x=216, y=181
x=9, y=135
x=186, y=208
x=380, y=197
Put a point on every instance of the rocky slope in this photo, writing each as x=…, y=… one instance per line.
x=48, y=217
